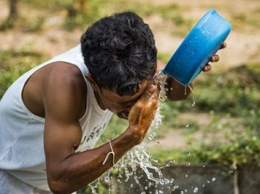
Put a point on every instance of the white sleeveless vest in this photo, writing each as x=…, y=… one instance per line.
x=21, y=132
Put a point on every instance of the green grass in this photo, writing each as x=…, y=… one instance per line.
x=242, y=149
x=73, y=17
x=14, y=63
x=231, y=95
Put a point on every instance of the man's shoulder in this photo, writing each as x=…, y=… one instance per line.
x=65, y=87
x=65, y=71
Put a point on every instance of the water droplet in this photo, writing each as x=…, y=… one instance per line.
x=166, y=181
x=185, y=91
x=106, y=179
x=162, y=182
x=195, y=190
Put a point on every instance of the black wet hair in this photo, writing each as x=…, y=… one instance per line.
x=120, y=52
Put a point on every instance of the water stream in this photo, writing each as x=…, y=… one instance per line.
x=139, y=158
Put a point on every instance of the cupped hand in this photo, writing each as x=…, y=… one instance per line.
x=142, y=113
x=214, y=58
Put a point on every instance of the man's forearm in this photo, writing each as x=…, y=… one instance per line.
x=176, y=91
x=80, y=169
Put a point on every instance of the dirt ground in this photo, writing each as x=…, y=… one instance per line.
x=243, y=45
x=243, y=42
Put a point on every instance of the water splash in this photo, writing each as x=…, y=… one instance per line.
x=193, y=99
x=138, y=157
x=195, y=190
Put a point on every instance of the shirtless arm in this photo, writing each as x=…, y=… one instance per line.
x=68, y=171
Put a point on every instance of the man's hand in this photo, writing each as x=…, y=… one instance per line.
x=142, y=113
x=214, y=58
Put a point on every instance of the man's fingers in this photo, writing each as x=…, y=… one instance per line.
x=144, y=100
x=148, y=93
x=214, y=58
x=224, y=45
x=207, y=68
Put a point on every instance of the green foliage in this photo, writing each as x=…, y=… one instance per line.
x=15, y=63
x=7, y=24
x=115, y=127
x=235, y=92
x=242, y=148
x=164, y=57
x=101, y=188
x=73, y=15
x=230, y=95
x=94, y=12
x=173, y=14
x=48, y=4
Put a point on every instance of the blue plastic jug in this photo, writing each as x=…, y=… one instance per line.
x=202, y=42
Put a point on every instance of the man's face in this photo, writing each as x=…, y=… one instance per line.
x=121, y=105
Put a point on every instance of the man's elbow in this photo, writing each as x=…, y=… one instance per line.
x=57, y=188
x=62, y=186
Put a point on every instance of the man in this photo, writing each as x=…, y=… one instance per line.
x=52, y=116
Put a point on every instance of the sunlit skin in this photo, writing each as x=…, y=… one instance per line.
x=57, y=92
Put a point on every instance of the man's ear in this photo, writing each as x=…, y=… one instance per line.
x=92, y=82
